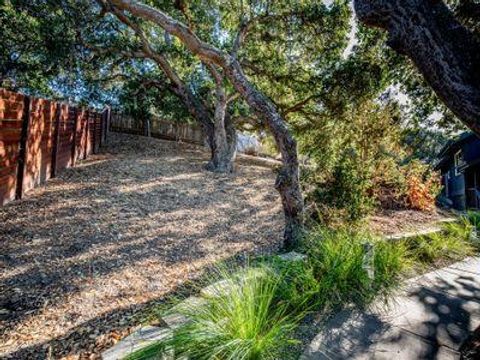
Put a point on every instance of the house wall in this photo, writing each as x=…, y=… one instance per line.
x=456, y=186
x=471, y=150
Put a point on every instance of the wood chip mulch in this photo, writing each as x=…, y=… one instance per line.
x=83, y=256
x=393, y=222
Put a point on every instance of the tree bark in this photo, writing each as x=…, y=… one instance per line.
x=287, y=182
x=444, y=51
x=224, y=153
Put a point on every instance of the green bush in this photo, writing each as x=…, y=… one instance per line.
x=346, y=194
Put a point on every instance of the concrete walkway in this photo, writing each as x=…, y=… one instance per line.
x=430, y=319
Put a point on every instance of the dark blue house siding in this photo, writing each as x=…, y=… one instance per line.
x=471, y=151
x=454, y=180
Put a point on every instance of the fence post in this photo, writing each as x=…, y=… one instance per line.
x=94, y=138
x=85, y=151
x=22, y=156
x=108, y=123
x=102, y=128
x=74, y=144
x=146, y=127
x=56, y=137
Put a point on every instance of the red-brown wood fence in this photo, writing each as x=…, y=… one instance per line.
x=158, y=128
x=39, y=138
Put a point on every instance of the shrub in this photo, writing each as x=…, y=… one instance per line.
x=422, y=186
x=347, y=193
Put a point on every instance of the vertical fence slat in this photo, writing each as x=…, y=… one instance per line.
x=56, y=139
x=87, y=134
x=22, y=157
x=74, y=142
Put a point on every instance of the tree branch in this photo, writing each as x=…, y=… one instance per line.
x=443, y=50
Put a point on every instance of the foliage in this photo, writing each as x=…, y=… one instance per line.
x=453, y=243
x=247, y=322
x=473, y=217
x=364, y=165
x=299, y=287
x=423, y=186
x=337, y=258
x=348, y=188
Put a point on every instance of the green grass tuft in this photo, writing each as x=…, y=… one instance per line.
x=337, y=258
x=452, y=244
x=248, y=322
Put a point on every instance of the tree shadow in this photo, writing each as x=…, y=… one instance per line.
x=126, y=227
x=430, y=321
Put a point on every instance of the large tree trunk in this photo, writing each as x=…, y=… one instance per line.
x=225, y=144
x=288, y=177
x=287, y=183
x=445, y=52
x=224, y=152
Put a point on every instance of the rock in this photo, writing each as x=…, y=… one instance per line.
x=293, y=256
x=139, y=339
x=220, y=288
x=175, y=317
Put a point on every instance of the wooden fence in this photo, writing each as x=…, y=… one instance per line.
x=158, y=128
x=39, y=138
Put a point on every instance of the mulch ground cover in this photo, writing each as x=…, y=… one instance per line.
x=83, y=256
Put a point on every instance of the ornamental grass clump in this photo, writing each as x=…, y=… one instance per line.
x=248, y=322
x=453, y=243
x=346, y=274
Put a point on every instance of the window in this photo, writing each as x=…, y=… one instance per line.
x=459, y=162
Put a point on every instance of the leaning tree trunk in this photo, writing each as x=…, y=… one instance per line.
x=444, y=51
x=288, y=177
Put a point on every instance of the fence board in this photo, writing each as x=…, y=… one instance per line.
x=11, y=113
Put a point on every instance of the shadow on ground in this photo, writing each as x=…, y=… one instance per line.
x=431, y=321
x=114, y=236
